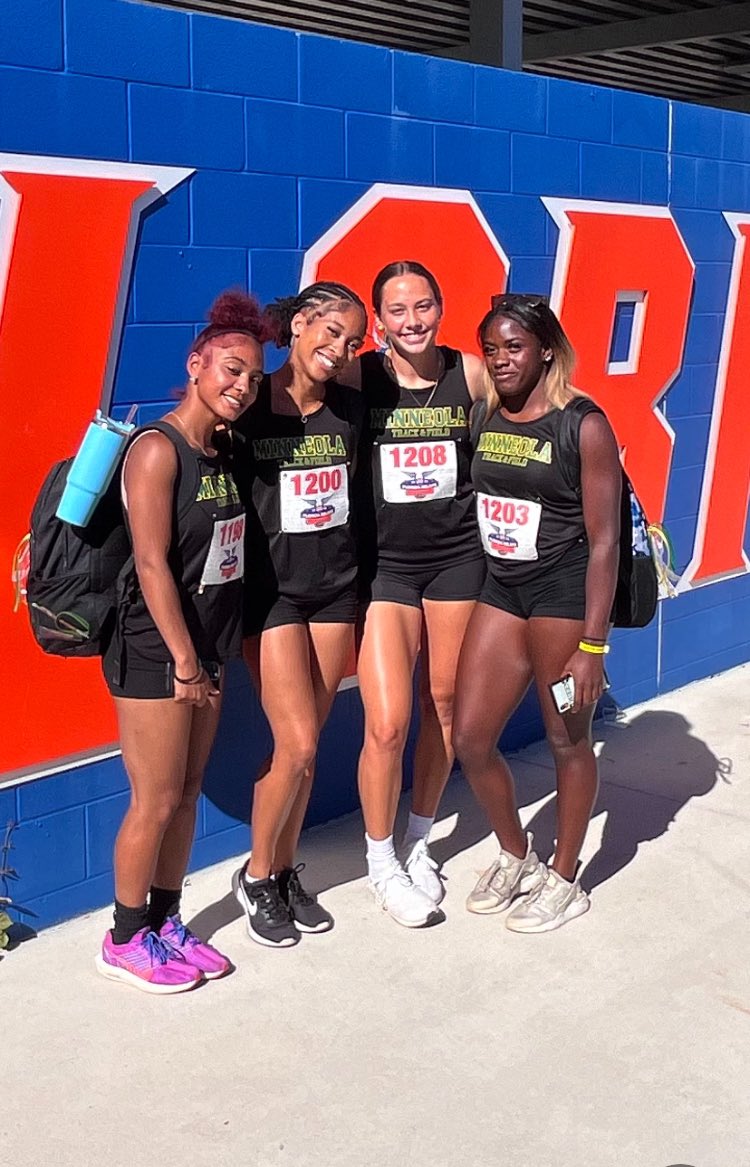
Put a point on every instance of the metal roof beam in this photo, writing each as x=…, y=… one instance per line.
x=722, y=20
x=495, y=35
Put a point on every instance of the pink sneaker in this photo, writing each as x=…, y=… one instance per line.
x=193, y=950
x=147, y=963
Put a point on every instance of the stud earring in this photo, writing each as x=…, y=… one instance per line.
x=194, y=380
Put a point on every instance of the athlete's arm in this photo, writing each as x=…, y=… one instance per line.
x=351, y=375
x=476, y=375
x=149, y=476
x=601, y=484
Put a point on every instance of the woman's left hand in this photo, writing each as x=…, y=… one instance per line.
x=587, y=671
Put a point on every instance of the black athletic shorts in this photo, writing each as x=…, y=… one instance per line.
x=409, y=586
x=264, y=612
x=131, y=675
x=560, y=591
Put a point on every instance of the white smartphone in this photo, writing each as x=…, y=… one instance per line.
x=563, y=694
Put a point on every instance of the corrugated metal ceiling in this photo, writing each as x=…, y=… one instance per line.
x=685, y=49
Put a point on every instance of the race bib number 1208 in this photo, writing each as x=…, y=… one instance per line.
x=418, y=471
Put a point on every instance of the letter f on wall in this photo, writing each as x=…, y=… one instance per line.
x=68, y=229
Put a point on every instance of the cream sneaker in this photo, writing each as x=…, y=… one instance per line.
x=554, y=903
x=507, y=878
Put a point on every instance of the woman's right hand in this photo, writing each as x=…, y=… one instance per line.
x=197, y=693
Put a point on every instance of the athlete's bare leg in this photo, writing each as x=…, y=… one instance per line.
x=494, y=673
x=330, y=647
x=156, y=738
x=443, y=631
x=552, y=643
x=387, y=658
x=178, y=837
x=280, y=667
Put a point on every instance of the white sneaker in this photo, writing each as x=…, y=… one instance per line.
x=406, y=904
x=505, y=879
x=423, y=871
x=555, y=903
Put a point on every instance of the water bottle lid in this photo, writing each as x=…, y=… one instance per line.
x=119, y=427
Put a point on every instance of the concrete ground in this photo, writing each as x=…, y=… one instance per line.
x=623, y=1039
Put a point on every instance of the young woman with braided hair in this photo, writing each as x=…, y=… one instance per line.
x=295, y=471
x=179, y=619
x=548, y=482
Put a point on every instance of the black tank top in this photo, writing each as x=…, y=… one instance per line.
x=205, y=557
x=420, y=466
x=527, y=477
x=296, y=477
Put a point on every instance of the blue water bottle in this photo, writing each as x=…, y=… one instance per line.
x=93, y=466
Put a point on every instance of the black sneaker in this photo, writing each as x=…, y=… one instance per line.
x=269, y=920
x=303, y=908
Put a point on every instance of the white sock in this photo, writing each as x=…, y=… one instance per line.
x=381, y=856
x=418, y=827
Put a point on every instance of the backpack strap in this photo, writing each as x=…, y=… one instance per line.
x=570, y=438
x=477, y=420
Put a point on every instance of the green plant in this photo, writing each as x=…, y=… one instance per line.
x=6, y=874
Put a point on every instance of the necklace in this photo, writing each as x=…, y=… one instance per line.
x=412, y=393
x=422, y=404
x=192, y=440
x=304, y=417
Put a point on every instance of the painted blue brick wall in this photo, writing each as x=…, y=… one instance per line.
x=285, y=132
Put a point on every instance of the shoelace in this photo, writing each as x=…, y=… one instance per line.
x=269, y=901
x=500, y=866
x=182, y=933
x=159, y=950
x=420, y=852
x=296, y=890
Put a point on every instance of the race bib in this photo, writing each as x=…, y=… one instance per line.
x=313, y=500
x=418, y=471
x=225, y=561
x=508, y=526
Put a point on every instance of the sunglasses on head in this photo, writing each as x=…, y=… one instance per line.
x=514, y=299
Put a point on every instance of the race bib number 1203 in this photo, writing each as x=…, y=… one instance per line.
x=509, y=526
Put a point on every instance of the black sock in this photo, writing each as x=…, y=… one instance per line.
x=163, y=902
x=128, y=921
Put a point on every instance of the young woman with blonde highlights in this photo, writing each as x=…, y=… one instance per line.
x=548, y=482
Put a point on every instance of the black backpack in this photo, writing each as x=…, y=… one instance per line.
x=76, y=574
x=71, y=587
x=637, y=591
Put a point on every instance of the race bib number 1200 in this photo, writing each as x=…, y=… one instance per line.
x=226, y=555
x=418, y=471
x=509, y=526
x=313, y=500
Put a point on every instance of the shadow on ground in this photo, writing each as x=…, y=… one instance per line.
x=650, y=768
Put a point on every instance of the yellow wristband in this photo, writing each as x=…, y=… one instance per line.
x=594, y=649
